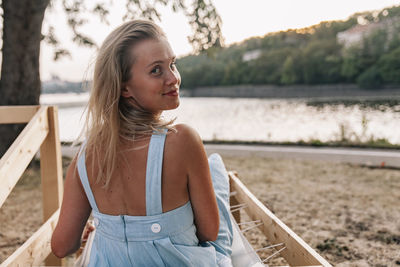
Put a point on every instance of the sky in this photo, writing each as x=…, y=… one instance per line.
x=241, y=19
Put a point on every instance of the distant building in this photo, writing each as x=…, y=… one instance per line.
x=355, y=35
x=251, y=55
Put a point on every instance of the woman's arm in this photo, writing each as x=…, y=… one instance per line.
x=75, y=211
x=201, y=190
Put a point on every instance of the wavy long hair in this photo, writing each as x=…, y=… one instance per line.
x=110, y=118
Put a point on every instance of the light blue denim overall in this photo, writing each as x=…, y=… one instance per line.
x=159, y=239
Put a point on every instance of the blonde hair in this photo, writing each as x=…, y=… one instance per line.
x=110, y=117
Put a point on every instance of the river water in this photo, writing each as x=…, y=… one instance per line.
x=243, y=119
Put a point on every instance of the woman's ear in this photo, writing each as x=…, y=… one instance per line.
x=125, y=92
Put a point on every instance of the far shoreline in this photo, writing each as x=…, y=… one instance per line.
x=314, y=143
x=320, y=93
x=306, y=92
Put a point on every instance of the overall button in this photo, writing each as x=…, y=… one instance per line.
x=155, y=228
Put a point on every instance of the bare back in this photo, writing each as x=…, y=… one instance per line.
x=126, y=193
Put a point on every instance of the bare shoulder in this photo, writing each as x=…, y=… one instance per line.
x=184, y=137
x=184, y=130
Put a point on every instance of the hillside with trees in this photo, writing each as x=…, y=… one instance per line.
x=321, y=54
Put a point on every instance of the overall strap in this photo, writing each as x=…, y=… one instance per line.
x=153, y=174
x=84, y=178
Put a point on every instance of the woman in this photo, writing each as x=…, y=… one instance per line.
x=146, y=182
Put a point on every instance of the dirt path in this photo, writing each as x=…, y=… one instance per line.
x=348, y=213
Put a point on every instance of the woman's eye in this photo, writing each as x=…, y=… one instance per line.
x=173, y=65
x=156, y=70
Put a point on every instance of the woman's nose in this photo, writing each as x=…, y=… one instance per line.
x=173, y=77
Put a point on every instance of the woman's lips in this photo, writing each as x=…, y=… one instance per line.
x=172, y=93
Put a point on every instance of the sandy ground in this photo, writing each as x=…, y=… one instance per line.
x=350, y=214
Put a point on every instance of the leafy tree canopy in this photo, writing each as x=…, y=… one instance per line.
x=202, y=17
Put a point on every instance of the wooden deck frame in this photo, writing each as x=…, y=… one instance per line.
x=297, y=252
x=40, y=132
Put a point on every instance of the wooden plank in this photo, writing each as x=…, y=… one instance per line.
x=233, y=201
x=34, y=251
x=21, y=152
x=17, y=114
x=51, y=172
x=51, y=167
x=297, y=252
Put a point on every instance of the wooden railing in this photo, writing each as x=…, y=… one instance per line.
x=41, y=132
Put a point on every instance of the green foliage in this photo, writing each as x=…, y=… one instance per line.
x=389, y=66
x=370, y=79
x=304, y=56
x=352, y=65
x=289, y=75
x=321, y=62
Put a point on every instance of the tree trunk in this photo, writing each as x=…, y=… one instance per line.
x=20, y=79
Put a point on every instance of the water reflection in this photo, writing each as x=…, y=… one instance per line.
x=273, y=120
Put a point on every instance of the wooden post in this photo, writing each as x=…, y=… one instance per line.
x=51, y=171
x=233, y=201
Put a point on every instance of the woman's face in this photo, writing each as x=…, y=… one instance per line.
x=154, y=83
